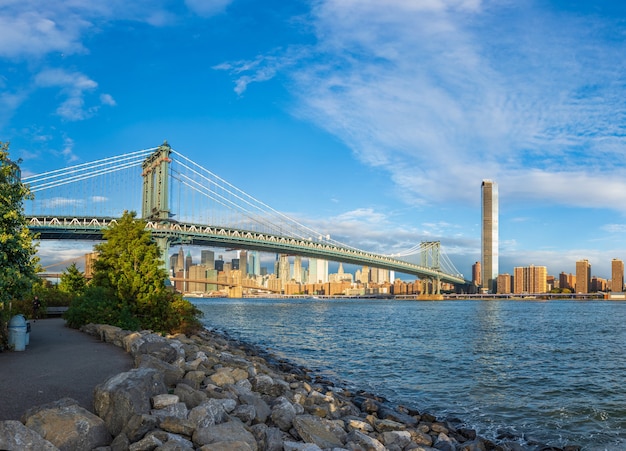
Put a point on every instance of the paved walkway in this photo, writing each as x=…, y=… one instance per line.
x=59, y=362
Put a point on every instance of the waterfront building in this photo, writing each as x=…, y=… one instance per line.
x=476, y=275
x=598, y=284
x=489, y=235
x=567, y=281
x=551, y=283
x=530, y=279
x=617, y=275
x=504, y=284
x=583, y=276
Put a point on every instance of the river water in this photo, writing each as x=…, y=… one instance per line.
x=552, y=371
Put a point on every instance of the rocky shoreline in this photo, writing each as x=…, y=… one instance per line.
x=209, y=392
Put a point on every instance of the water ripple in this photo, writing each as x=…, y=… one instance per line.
x=548, y=371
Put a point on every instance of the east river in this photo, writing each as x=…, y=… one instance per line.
x=552, y=371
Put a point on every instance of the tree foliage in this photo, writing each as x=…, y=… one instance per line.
x=18, y=258
x=128, y=288
x=73, y=281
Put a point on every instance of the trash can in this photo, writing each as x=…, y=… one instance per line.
x=17, y=333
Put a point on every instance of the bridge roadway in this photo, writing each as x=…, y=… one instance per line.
x=175, y=233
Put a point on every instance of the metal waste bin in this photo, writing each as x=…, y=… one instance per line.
x=17, y=333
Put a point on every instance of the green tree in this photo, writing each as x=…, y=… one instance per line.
x=18, y=258
x=73, y=281
x=128, y=287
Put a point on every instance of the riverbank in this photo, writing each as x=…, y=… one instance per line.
x=212, y=392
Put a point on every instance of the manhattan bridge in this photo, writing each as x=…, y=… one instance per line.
x=184, y=203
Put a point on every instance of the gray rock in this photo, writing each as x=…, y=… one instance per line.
x=232, y=431
x=170, y=439
x=171, y=373
x=125, y=395
x=322, y=432
x=261, y=408
x=120, y=443
x=283, y=413
x=162, y=401
x=15, y=436
x=299, y=446
x=178, y=410
x=245, y=412
x=189, y=395
x=147, y=443
x=180, y=426
x=213, y=411
x=398, y=438
x=364, y=441
x=194, y=378
x=138, y=426
x=67, y=425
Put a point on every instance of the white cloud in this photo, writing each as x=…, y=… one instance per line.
x=442, y=94
x=31, y=28
x=207, y=8
x=74, y=86
x=107, y=99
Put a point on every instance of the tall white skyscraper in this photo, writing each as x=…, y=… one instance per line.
x=489, y=238
x=318, y=270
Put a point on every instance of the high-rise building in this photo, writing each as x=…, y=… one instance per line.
x=180, y=261
x=207, y=258
x=583, y=276
x=504, y=284
x=254, y=263
x=617, y=275
x=188, y=261
x=489, y=236
x=530, y=279
x=476, y=274
x=243, y=263
x=318, y=270
x=297, y=269
x=284, y=268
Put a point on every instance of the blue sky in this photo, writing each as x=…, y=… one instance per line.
x=374, y=121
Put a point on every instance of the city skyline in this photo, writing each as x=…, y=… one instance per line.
x=378, y=139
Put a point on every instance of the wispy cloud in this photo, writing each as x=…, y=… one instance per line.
x=443, y=93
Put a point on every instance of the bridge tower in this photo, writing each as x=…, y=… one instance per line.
x=155, y=194
x=430, y=258
x=155, y=173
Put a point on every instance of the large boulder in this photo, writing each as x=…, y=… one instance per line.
x=14, y=435
x=127, y=394
x=324, y=433
x=230, y=432
x=171, y=373
x=67, y=425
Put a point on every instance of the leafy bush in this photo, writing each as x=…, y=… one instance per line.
x=128, y=287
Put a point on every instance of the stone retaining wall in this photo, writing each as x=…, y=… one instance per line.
x=210, y=393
